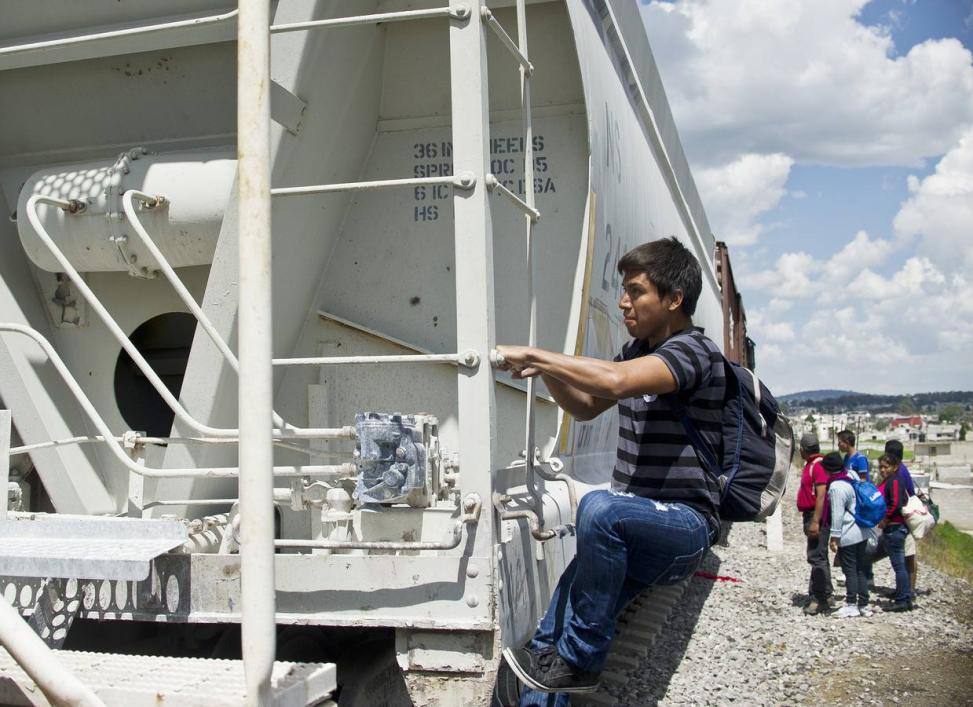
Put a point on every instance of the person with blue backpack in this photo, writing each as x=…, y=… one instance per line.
x=698, y=442
x=855, y=507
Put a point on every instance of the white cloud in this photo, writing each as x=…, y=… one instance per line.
x=905, y=331
x=790, y=278
x=805, y=79
x=939, y=210
x=738, y=193
x=859, y=253
x=767, y=327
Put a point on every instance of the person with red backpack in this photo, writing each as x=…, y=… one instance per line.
x=811, y=497
x=848, y=537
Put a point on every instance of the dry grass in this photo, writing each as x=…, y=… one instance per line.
x=949, y=550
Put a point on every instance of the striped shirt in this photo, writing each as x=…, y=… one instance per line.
x=655, y=457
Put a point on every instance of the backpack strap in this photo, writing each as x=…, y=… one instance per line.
x=756, y=399
x=704, y=452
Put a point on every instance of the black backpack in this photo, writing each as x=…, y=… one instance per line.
x=757, y=449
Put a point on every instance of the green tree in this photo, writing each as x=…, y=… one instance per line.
x=951, y=413
x=963, y=429
x=906, y=406
x=882, y=424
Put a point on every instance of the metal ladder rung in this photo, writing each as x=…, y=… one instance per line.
x=507, y=40
x=462, y=181
x=467, y=359
x=44, y=44
x=453, y=13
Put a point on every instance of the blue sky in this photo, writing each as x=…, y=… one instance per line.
x=832, y=143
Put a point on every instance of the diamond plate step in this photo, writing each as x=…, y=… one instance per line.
x=58, y=545
x=149, y=681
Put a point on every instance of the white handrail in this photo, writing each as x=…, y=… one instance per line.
x=336, y=471
x=519, y=53
x=5, y=428
x=453, y=13
x=130, y=348
x=255, y=332
x=461, y=181
x=467, y=359
x=58, y=684
x=529, y=200
x=112, y=34
x=159, y=441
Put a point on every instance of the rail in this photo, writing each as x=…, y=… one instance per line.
x=114, y=34
x=157, y=441
x=534, y=522
x=461, y=181
x=527, y=205
x=460, y=12
x=467, y=359
x=5, y=429
x=334, y=471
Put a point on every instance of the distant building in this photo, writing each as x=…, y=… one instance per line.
x=913, y=421
x=944, y=431
x=933, y=449
x=904, y=433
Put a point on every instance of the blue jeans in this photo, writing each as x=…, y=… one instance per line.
x=894, y=538
x=625, y=544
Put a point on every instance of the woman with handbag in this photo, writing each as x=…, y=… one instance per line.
x=894, y=530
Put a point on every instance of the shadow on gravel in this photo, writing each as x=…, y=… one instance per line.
x=799, y=599
x=669, y=647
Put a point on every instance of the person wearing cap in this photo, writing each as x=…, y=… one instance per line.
x=847, y=537
x=811, y=495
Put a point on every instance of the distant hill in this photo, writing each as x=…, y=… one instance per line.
x=846, y=400
x=816, y=395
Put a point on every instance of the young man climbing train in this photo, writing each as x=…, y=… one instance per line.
x=662, y=512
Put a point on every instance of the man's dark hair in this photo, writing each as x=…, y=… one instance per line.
x=894, y=448
x=889, y=460
x=811, y=449
x=669, y=266
x=847, y=436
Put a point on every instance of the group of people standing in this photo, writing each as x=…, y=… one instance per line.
x=833, y=523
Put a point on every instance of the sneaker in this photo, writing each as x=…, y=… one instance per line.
x=546, y=671
x=817, y=607
x=848, y=611
x=865, y=611
x=900, y=606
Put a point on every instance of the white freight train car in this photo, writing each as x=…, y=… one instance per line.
x=423, y=501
